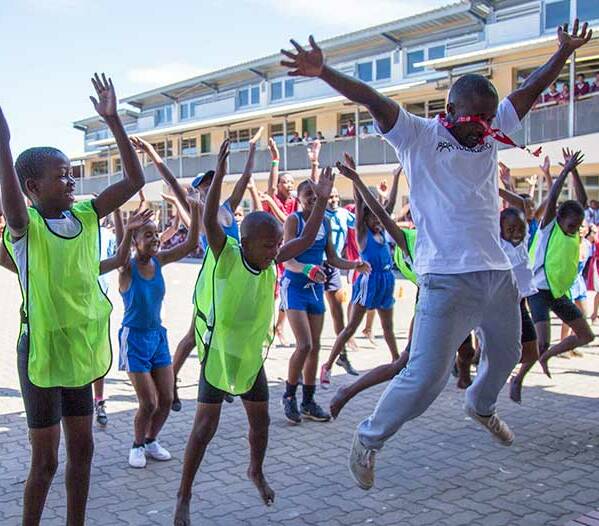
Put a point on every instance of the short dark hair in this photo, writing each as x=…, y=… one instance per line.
x=511, y=212
x=471, y=85
x=570, y=208
x=258, y=220
x=33, y=161
x=303, y=185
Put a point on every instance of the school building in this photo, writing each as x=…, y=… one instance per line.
x=412, y=60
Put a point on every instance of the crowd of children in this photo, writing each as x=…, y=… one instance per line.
x=484, y=271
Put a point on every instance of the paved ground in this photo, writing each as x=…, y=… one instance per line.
x=439, y=470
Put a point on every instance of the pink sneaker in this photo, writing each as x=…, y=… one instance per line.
x=325, y=376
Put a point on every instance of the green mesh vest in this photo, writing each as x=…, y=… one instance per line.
x=405, y=267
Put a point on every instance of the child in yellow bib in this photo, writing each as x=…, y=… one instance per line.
x=64, y=343
x=554, y=255
x=235, y=297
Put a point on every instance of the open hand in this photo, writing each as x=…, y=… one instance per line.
x=348, y=168
x=532, y=180
x=223, y=153
x=314, y=151
x=573, y=161
x=572, y=41
x=383, y=189
x=325, y=183
x=139, y=219
x=546, y=166
x=141, y=145
x=304, y=63
x=363, y=267
x=105, y=104
x=505, y=175
x=274, y=151
x=319, y=276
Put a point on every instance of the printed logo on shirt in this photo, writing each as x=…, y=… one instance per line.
x=443, y=146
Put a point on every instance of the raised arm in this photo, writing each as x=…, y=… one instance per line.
x=313, y=154
x=273, y=176
x=171, y=230
x=512, y=199
x=297, y=245
x=556, y=189
x=392, y=198
x=579, y=189
x=311, y=63
x=143, y=146
x=214, y=231
x=120, y=192
x=254, y=195
x=191, y=240
x=13, y=200
x=377, y=209
x=181, y=210
x=274, y=208
x=242, y=183
x=525, y=96
x=119, y=226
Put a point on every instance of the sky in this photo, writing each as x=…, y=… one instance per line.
x=50, y=48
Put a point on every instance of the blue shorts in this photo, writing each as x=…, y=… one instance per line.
x=374, y=290
x=308, y=298
x=143, y=350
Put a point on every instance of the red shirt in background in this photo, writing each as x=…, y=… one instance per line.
x=581, y=89
x=352, y=250
x=288, y=206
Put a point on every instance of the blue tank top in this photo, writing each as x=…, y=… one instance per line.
x=232, y=230
x=143, y=298
x=315, y=254
x=377, y=254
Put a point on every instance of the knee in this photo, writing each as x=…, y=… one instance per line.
x=304, y=348
x=166, y=401
x=203, y=431
x=45, y=468
x=587, y=336
x=147, y=407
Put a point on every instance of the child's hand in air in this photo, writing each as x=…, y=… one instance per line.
x=274, y=151
x=572, y=159
x=546, y=166
x=363, y=267
x=383, y=189
x=221, y=162
x=105, y=104
x=194, y=200
x=505, y=175
x=314, y=151
x=325, y=183
x=139, y=219
x=304, y=63
x=348, y=168
x=140, y=145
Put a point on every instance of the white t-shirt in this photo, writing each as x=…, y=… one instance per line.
x=454, y=196
x=107, y=250
x=67, y=226
x=518, y=256
x=538, y=269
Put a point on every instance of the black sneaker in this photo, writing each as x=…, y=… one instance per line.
x=343, y=361
x=101, y=416
x=313, y=411
x=291, y=412
x=229, y=398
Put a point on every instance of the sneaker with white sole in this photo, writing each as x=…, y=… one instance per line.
x=497, y=427
x=137, y=457
x=361, y=464
x=325, y=376
x=156, y=451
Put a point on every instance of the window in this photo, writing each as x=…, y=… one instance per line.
x=276, y=91
x=436, y=52
x=188, y=147
x=240, y=139
x=383, y=68
x=163, y=115
x=99, y=168
x=248, y=96
x=413, y=58
x=365, y=71
x=556, y=13
x=276, y=132
x=364, y=127
x=162, y=149
x=189, y=110
x=205, y=143
x=588, y=9
x=309, y=125
x=289, y=86
x=116, y=165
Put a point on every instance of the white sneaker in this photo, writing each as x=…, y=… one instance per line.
x=497, y=427
x=361, y=464
x=137, y=457
x=156, y=451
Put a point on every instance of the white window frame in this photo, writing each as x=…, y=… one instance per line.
x=247, y=88
x=284, y=95
x=165, y=108
x=426, y=57
x=373, y=61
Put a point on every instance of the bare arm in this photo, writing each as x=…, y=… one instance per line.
x=13, y=200
x=274, y=208
x=579, y=190
x=512, y=199
x=254, y=195
x=313, y=154
x=242, y=183
x=120, y=192
x=391, y=202
x=297, y=245
x=311, y=63
x=171, y=230
x=183, y=212
x=121, y=259
x=273, y=176
x=525, y=96
x=191, y=241
x=215, y=234
x=550, y=210
x=119, y=227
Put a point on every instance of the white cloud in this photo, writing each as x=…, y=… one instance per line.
x=351, y=14
x=153, y=76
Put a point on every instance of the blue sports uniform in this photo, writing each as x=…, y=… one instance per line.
x=341, y=220
x=232, y=230
x=142, y=338
x=375, y=290
x=298, y=292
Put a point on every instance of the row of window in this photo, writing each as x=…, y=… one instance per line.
x=557, y=12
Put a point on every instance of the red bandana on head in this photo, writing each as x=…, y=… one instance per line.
x=495, y=133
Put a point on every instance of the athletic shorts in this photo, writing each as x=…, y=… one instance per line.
x=543, y=301
x=374, y=290
x=45, y=406
x=529, y=333
x=308, y=298
x=143, y=350
x=208, y=394
x=333, y=282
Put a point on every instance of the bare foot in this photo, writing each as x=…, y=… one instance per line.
x=370, y=335
x=543, y=363
x=515, y=390
x=338, y=401
x=266, y=492
x=182, y=516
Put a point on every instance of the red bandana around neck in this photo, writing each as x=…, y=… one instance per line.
x=495, y=133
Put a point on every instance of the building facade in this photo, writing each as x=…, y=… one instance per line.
x=412, y=60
